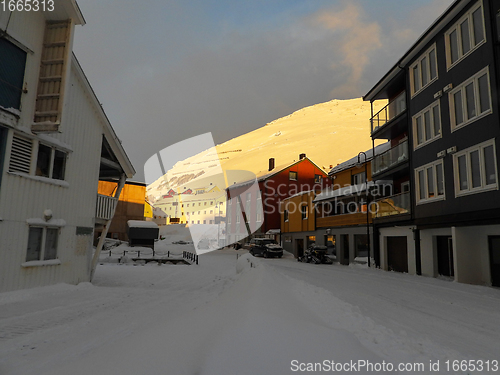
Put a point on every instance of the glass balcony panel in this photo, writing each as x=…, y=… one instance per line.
x=390, y=111
x=394, y=205
x=390, y=158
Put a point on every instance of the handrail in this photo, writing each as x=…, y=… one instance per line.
x=390, y=111
x=390, y=158
x=396, y=204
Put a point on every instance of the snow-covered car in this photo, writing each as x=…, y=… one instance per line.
x=266, y=247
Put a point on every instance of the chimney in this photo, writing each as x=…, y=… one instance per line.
x=271, y=164
x=302, y=156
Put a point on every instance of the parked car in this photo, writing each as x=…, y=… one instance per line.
x=315, y=254
x=180, y=242
x=266, y=247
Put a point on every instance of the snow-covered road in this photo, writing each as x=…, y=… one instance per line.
x=245, y=316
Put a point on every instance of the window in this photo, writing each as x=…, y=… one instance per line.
x=475, y=169
x=12, y=65
x=292, y=176
x=359, y=178
x=238, y=213
x=430, y=182
x=317, y=178
x=248, y=207
x=423, y=71
x=427, y=125
x=465, y=36
x=471, y=100
x=42, y=243
x=285, y=215
x=258, y=208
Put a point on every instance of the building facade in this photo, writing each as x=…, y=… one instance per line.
x=55, y=145
x=443, y=122
x=253, y=206
x=337, y=216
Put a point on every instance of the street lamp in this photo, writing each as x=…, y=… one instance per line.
x=367, y=203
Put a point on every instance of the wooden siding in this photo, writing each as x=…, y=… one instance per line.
x=342, y=220
x=344, y=178
x=295, y=222
x=74, y=201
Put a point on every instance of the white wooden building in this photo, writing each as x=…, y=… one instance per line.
x=55, y=144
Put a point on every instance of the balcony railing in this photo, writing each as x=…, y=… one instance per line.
x=105, y=207
x=390, y=111
x=390, y=158
x=394, y=205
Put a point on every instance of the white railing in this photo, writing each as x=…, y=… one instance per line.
x=105, y=207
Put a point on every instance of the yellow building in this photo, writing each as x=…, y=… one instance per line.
x=131, y=206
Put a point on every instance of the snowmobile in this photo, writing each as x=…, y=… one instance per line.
x=315, y=254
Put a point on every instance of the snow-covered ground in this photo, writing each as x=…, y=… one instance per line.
x=247, y=316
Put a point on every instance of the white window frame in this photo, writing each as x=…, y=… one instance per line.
x=436, y=196
x=258, y=209
x=418, y=64
x=484, y=187
x=359, y=178
x=475, y=80
x=456, y=27
x=421, y=114
x=294, y=173
x=42, y=256
x=248, y=206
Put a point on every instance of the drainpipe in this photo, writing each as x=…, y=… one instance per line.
x=104, y=233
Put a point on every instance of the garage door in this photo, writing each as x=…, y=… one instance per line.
x=495, y=260
x=397, y=254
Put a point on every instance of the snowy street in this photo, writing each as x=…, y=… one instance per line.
x=245, y=316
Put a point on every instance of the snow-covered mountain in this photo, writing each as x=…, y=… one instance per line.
x=328, y=133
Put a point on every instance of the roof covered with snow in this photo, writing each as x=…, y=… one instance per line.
x=353, y=161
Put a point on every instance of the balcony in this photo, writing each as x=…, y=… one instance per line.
x=390, y=159
x=394, y=205
x=357, y=218
x=105, y=207
x=392, y=110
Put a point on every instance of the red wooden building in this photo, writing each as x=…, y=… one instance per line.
x=253, y=205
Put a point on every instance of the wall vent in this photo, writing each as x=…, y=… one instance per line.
x=20, y=155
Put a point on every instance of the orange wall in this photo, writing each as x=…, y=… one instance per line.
x=343, y=178
x=295, y=222
x=130, y=192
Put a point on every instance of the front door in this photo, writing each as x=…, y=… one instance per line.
x=495, y=260
x=299, y=247
x=445, y=256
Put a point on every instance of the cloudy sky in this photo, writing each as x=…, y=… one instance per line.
x=168, y=70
